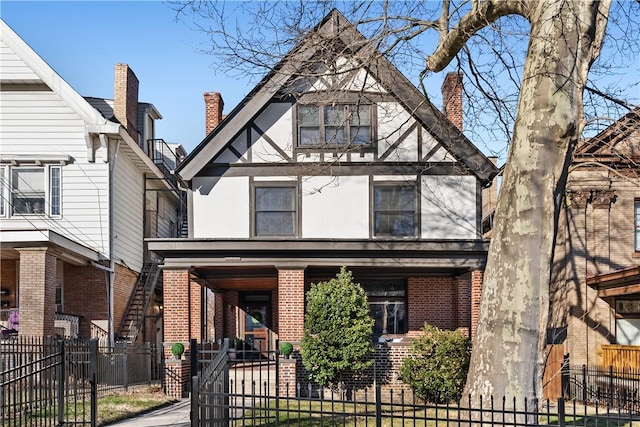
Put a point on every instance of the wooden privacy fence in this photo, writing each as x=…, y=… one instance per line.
x=621, y=357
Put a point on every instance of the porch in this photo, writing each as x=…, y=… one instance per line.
x=65, y=325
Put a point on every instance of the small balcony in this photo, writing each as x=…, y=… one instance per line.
x=165, y=158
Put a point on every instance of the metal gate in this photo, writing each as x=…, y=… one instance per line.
x=210, y=392
x=44, y=382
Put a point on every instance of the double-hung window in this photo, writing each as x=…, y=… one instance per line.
x=31, y=190
x=387, y=305
x=275, y=210
x=636, y=221
x=394, y=210
x=334, y=125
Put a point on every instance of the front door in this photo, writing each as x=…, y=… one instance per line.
x=256, y=319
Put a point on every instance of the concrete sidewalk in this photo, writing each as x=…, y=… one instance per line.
x=176, y=415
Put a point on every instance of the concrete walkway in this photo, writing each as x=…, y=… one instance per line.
x=176, y=415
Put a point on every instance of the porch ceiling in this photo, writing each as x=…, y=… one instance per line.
x=616, y=283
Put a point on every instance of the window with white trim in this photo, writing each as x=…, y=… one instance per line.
x=34, y=190
x=334, y=125
x=3, y=191
x=637, y=224
x=275, y=210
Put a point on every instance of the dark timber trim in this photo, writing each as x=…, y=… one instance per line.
x=336, y=168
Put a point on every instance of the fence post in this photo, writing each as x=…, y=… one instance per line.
x=61, y=383
x=561, y=412
x=125, y=365
x=610, y=386
x=584, y=383
x=194, y=401
x=378, y=406
x=193, y=357
x=93, y=367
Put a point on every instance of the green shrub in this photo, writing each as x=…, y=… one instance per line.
x=337, y=330
x=437, y=365
x=177, y=349
x=286, y=348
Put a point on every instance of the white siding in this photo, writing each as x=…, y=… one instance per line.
x=448, y=207
x=221, y=207
x=12, y=67
x=393, y=122
x=335, y=207
x=37, y=122
x=128, y=211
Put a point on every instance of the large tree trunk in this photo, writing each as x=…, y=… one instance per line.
x=508, y=352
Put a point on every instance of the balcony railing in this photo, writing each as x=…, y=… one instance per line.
x=65, y=325
x=620, y=356
x=164, y=158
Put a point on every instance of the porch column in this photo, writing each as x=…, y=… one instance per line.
x=291, y=304
x=177, y=313
x=476, y=289
x=37, y=291
x=177, y=328
x=463, y=304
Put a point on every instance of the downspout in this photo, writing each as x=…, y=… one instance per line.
x=111, y=272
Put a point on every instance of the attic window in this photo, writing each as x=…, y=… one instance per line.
x=338, y=125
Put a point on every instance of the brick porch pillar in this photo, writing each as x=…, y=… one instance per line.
x=177, y=296
x=463, y=303
x=37, y=291
x=476, y=289
x=290, y=305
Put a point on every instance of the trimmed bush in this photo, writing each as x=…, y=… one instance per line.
x=337, y=330
x=177, y=349
x=286, y=348
x=437, y=365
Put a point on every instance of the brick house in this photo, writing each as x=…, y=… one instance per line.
x=313, y=171
x=596, y=281
x=83, y=182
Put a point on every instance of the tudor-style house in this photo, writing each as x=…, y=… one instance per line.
x=596, y=279
x=348, y=165
x=83, y=181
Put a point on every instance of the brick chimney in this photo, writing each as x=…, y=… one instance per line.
x=125, y=99
x=213, y=105
x=452, y=98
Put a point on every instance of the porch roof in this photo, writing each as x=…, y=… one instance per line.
x=616, y=283
x=459, y=255
x=65, y=249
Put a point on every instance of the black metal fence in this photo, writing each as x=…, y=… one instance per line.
x=245, y=391
x=606, y=387
x=47, y=382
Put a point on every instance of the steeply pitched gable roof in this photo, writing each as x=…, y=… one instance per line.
x=611, y=140
x=335, y=27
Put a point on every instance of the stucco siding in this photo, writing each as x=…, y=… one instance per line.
x=221, y=207
x=335, y=207
x=448, y=207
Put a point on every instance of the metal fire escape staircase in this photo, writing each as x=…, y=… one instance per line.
x=139, y=302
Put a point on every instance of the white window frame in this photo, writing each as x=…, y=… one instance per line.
x=636, y=221
x=4, y=187
x=50, y=210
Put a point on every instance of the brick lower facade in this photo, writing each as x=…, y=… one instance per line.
x=37, y=291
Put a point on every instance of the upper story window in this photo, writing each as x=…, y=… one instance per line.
x=394, y=209
x=636, y=221
x=275, y=210
x=30, y=190
x=334, y=125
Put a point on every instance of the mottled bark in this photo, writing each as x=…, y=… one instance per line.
x=508, y=353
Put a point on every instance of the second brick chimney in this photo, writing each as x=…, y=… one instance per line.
x=213, y=105
x=125, y=99
x=452, y=98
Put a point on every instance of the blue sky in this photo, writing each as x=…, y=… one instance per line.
x=82, y=41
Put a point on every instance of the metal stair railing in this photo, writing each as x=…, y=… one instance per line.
x=138, y=303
